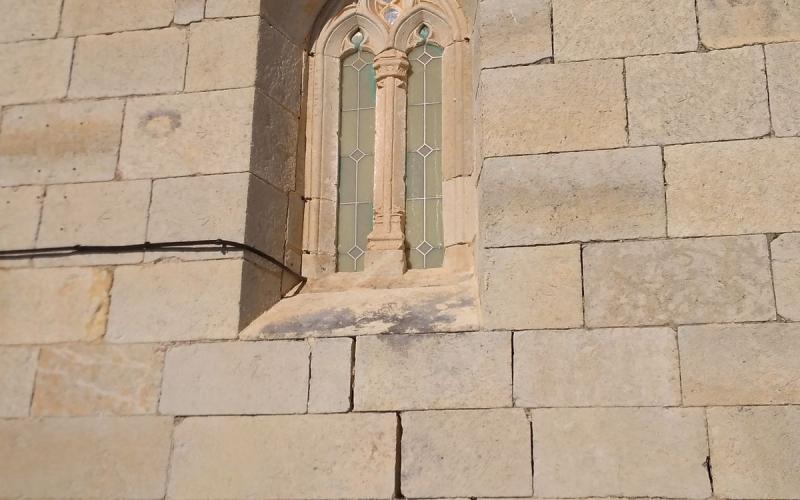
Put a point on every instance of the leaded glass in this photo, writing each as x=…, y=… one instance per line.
x=356, y=158
x=424, y=229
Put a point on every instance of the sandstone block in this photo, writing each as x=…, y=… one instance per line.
x=285, y=457
x=176, y=301
x=532, y=288
x=697, y=97
x=275, y=143
x=53, y=305
x=621, y=367
x=619, y=28
x=84, y=457
x=331, y=373
x=514, y=32
x=189, y=11
x=409, y=372
x=744, y=22
x=711, y=280
x=236, y=379
x=222, y=54
x=203, y=133
x=34, y=71
x=466, y=453
x=625, y=452
x=550, y=108
x=84, y=380
x=281, y=66
x=733, y=187
x=755, y=451
x=598, y=195
x=140, y=62
x=232, y=8
x=783, y=68
x=17, y=373
x=60, y=142
x=19, y=216
x=740, y=364
x=786, y=271
x=86, y=17
x=28, y=20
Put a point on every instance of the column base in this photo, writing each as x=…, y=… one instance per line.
x=385, y=262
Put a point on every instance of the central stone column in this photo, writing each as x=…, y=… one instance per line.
x=386, y=243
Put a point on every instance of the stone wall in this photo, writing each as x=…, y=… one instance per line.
x=639, y=262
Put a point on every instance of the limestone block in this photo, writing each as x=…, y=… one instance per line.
x=744, y=22
x=755, y=451
x=285, y=457
x=176, y=301
x=331, y=374
x=19, y=216
x=740, y=364
x=42, y=306
x=140, y=62
x=17, y=373
x=189, y=11
x=697, y=97
x=60, y=142
x=736, y=187
x=678, y=281
x=281, y=65
x=553, y=107
x=85, y=380
x=620, y=367
x=532, y=288
x=514, y=32
x=786, y=271
x=28, y=20
x=240, y=378
x=222, y=54
x=84, y=457
x=296, y=19
x=598, y=195
x=466, y=453
x=275, y=143
x=418, y=372
x=783, y=68
x=202, y=133
x=232, y=8
x=627, y=452
x=86, y=17
x=34, y=71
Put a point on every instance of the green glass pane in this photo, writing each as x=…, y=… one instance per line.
x=366, y=170
x=348, y=133
x=433, y=125
x=346, y=234
x=416, y=85
x=416, y=124
x=416, y=260
x=347, y=181
x=414, y=222
x=344, y=263
x=366, y=131
x=364, y=212
x=435, y=258
x=433, y=81
x=415, y=173
x=433, y=174
x=367, y=85
x=349, y=88
x=433, y=222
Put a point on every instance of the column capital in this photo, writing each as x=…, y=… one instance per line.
x=391, y=63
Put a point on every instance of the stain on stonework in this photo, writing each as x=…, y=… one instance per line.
x=160, y=123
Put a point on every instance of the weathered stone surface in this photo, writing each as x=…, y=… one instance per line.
x=84, y=457
x=736, y=187
x=550, y=108
x=514, y=32
x=86, y=17
x=743, y=22
x=222, y=54
x=28, y=20
x=236, y=378
x=619, y=28
x=740, y=364
x=783, y=68
x=232, y=8
x=53, y=305
x=17, y=373
x=289, y=457
x=532, y=288
x=281, y=65
x=331, y=373
x=34, y=71
x=19, y=216
x=621, y=367
x=189, y=11
x=755, y=451
x=678, y=281
x=175, y=301
x=598, y=195
x=786, y=271
x=697, y=97
x=466, y=453
x=60, y=142
x=140, y=62
x=275, y=146
x=203, y=133
x=418, y=372
x=627, y=452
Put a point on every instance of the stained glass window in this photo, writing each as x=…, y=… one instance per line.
x=356, y=157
